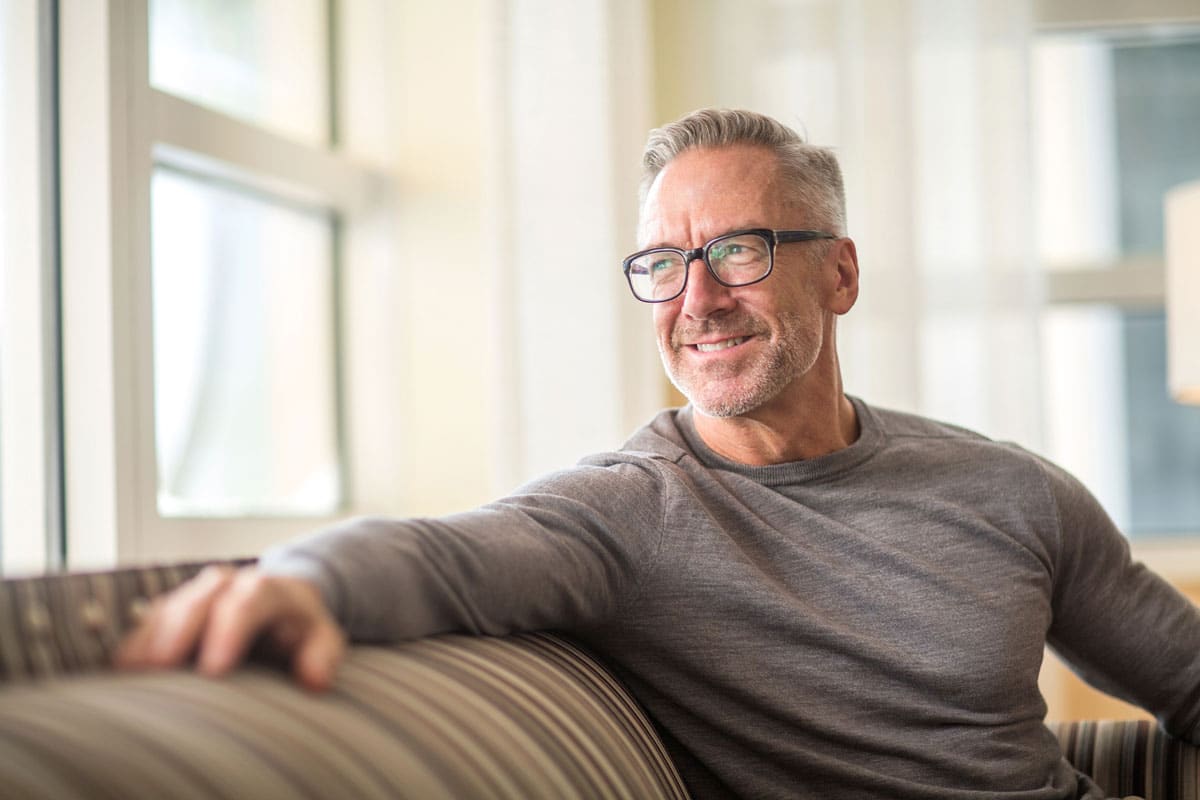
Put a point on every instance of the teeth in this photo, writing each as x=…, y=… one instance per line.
x=709, y=348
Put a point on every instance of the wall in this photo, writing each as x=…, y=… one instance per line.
x=442, y=281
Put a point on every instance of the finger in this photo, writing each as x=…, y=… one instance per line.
x=171, y=628
x=286, y=608
x=318, y=656
x=252, y=603
x=180, y=618
x=131, y=650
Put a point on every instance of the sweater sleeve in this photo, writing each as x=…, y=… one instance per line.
x=560, y=553
x=1120, y=626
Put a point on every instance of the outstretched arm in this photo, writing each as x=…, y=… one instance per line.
x=562, y=553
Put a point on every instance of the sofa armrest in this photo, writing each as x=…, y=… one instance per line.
x=528, y=716
x=1132, y=757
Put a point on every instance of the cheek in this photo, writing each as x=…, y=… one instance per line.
x=800, y=300
x=664, y=319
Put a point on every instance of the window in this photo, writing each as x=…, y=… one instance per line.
x=222, y=179
x=243, y=281
x=1116, y=113
x=243, y=276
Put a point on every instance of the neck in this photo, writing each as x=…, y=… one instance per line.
x=796, y=429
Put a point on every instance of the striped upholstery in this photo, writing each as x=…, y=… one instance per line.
x=528, y=716
x=518, y=717
x=54, y=624
x=1132, y=758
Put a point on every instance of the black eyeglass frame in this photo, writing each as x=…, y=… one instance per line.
x=774, y=237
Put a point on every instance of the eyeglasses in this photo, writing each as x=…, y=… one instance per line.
x=739, y=258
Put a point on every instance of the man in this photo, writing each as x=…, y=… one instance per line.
x=812, y=597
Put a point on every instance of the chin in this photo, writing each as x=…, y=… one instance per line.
x=721, y=405
x=733, y=398
x=724, y=410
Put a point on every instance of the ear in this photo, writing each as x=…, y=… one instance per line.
x=845, y=276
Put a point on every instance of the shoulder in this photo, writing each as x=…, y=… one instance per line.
x=904, y=425
x=993, y=466
x=901, y=429
x=923, y=441
x=638, y=472
x=1005, y=480
x=657, y=443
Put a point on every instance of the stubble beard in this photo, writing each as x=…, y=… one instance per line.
x=728, y=390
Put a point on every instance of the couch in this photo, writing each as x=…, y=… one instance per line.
x=524, y=716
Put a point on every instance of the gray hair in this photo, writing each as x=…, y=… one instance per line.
x=812, y=172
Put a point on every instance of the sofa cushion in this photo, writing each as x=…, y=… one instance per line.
x=528, y=716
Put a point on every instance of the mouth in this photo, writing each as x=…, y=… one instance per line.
x=724, y=344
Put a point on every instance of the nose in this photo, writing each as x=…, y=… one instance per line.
x=704, y=297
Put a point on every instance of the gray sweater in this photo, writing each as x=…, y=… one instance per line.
x=868, y=624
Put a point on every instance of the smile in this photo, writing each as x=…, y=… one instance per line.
x=712, y=347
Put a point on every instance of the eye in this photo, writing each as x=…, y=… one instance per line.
x=660, y=264
x=738, y=252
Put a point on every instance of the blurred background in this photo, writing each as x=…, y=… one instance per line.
x=270, y=263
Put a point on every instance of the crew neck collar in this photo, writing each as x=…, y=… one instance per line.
x=870, y=439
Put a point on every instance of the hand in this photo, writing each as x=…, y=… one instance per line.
x=218, y=614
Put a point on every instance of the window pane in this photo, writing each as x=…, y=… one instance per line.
x=1115, y=128
x=244, y=376
x=1164, y=436
x=1083, y=380
x=264, y=61
x=1111, y=422
x=1157, y=89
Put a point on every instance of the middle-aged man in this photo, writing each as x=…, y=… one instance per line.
x=811, y=596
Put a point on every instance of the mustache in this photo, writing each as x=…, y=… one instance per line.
x=725, y=328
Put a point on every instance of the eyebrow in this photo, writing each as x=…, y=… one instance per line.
x=734, y=229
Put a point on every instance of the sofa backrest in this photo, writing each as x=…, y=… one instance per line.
x=526, y=716
x=56, y=624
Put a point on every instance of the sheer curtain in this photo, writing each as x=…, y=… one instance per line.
x=575, y=369
x=927, y=104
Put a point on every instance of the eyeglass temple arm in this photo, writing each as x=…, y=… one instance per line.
x=783, y=237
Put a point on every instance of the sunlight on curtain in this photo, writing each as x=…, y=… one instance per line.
x=926, y=103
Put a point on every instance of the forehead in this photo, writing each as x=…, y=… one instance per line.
x=705, y=192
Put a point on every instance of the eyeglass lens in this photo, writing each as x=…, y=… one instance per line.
x=735, y=260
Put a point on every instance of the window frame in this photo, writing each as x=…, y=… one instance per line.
x=115, y=128
x=31, y=512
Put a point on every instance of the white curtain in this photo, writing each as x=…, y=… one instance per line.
x=927, y=103
x=575, y=366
